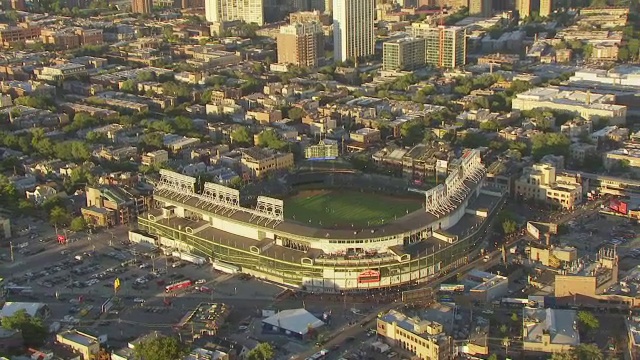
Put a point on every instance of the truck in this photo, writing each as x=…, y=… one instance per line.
x=225, y=268
x=194, y=259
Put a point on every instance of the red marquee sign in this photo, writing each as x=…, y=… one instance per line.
x=369, y=276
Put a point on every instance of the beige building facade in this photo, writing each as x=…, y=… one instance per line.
x=426, y=339
x=540, y=182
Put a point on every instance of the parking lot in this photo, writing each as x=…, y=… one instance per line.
x=75, y=280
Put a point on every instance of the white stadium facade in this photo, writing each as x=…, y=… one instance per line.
x=258, y=239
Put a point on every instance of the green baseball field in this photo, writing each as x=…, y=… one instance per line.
x=342, y=208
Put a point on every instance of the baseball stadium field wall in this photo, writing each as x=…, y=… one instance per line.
x=445, y=233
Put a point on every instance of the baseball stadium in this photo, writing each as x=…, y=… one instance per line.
x=330, y=231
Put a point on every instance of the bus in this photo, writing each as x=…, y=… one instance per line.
x=451, y=288
x=177, y=286
x=513, y=302
x=19, y=290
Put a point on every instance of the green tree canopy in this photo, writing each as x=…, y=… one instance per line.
x=588, y=320
x=296, y=114
x=59, y=216
x=587, y=352
x=160, y=348
x=551, y=143
x=39, y=101
x=78, y=224
x=33, y=332
x=269, y=138
x=241, y=136
x=412, y=132
x=264, y=351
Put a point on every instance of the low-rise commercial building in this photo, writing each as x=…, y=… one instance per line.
x=487, y=287
x=155, y=157
x=22, y=32
x=426, y=339
x=62, y=72
x=86, y=345
x=257, y=162
x=589, y=106
x=540, y=182
x=122, y=204
x=549, y=330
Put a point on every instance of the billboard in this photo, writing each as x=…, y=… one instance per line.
x=107, y=305
x=618, y=206
x=369, y=276
x=533, y=230
x=418, y=296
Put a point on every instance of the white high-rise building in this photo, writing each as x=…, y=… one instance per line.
x=353, y=29
x=249, y=11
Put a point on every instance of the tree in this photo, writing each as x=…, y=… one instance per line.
x=241, y=136
x=507, y=222
x=552, y=143
x=587, y=352
x=33, y=332
x=489, y=125
x=153, y=140
x=412, y=132
x=296, y=113
x=264, y=351
x=562, y=356
x=36, y=101
x=59, y=216
x=503, y=329
x=160, y=348
x=514, y=317
x=78, y=224
x=183, y=124
x=588, y=321
x=269, y=138
x=128, y=86
x=95, y=137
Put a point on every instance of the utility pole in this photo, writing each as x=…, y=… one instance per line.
x=11, y=250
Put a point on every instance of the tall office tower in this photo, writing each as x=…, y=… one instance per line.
x=249, y=11
x=446, y=46
x=353, y=29
x=480, y=8
x=404, y=54
x=523, y=7
x=141, y=6
x=546, y=7
x=301, y=44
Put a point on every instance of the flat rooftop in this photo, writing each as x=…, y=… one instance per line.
x=78, y=338
x=560, y=325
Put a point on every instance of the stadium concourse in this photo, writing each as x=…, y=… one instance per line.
x=259, y=240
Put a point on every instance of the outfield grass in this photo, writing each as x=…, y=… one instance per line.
x=328, y=208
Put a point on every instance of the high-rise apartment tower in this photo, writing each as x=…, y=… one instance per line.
x=301, y=44
x=353, y=29
x=141, y=6
x=250, y=11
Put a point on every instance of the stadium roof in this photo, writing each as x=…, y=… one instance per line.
x=297, y=321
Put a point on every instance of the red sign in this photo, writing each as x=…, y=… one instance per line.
x=619, y=206
x=62, y=239
x=369, y=276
